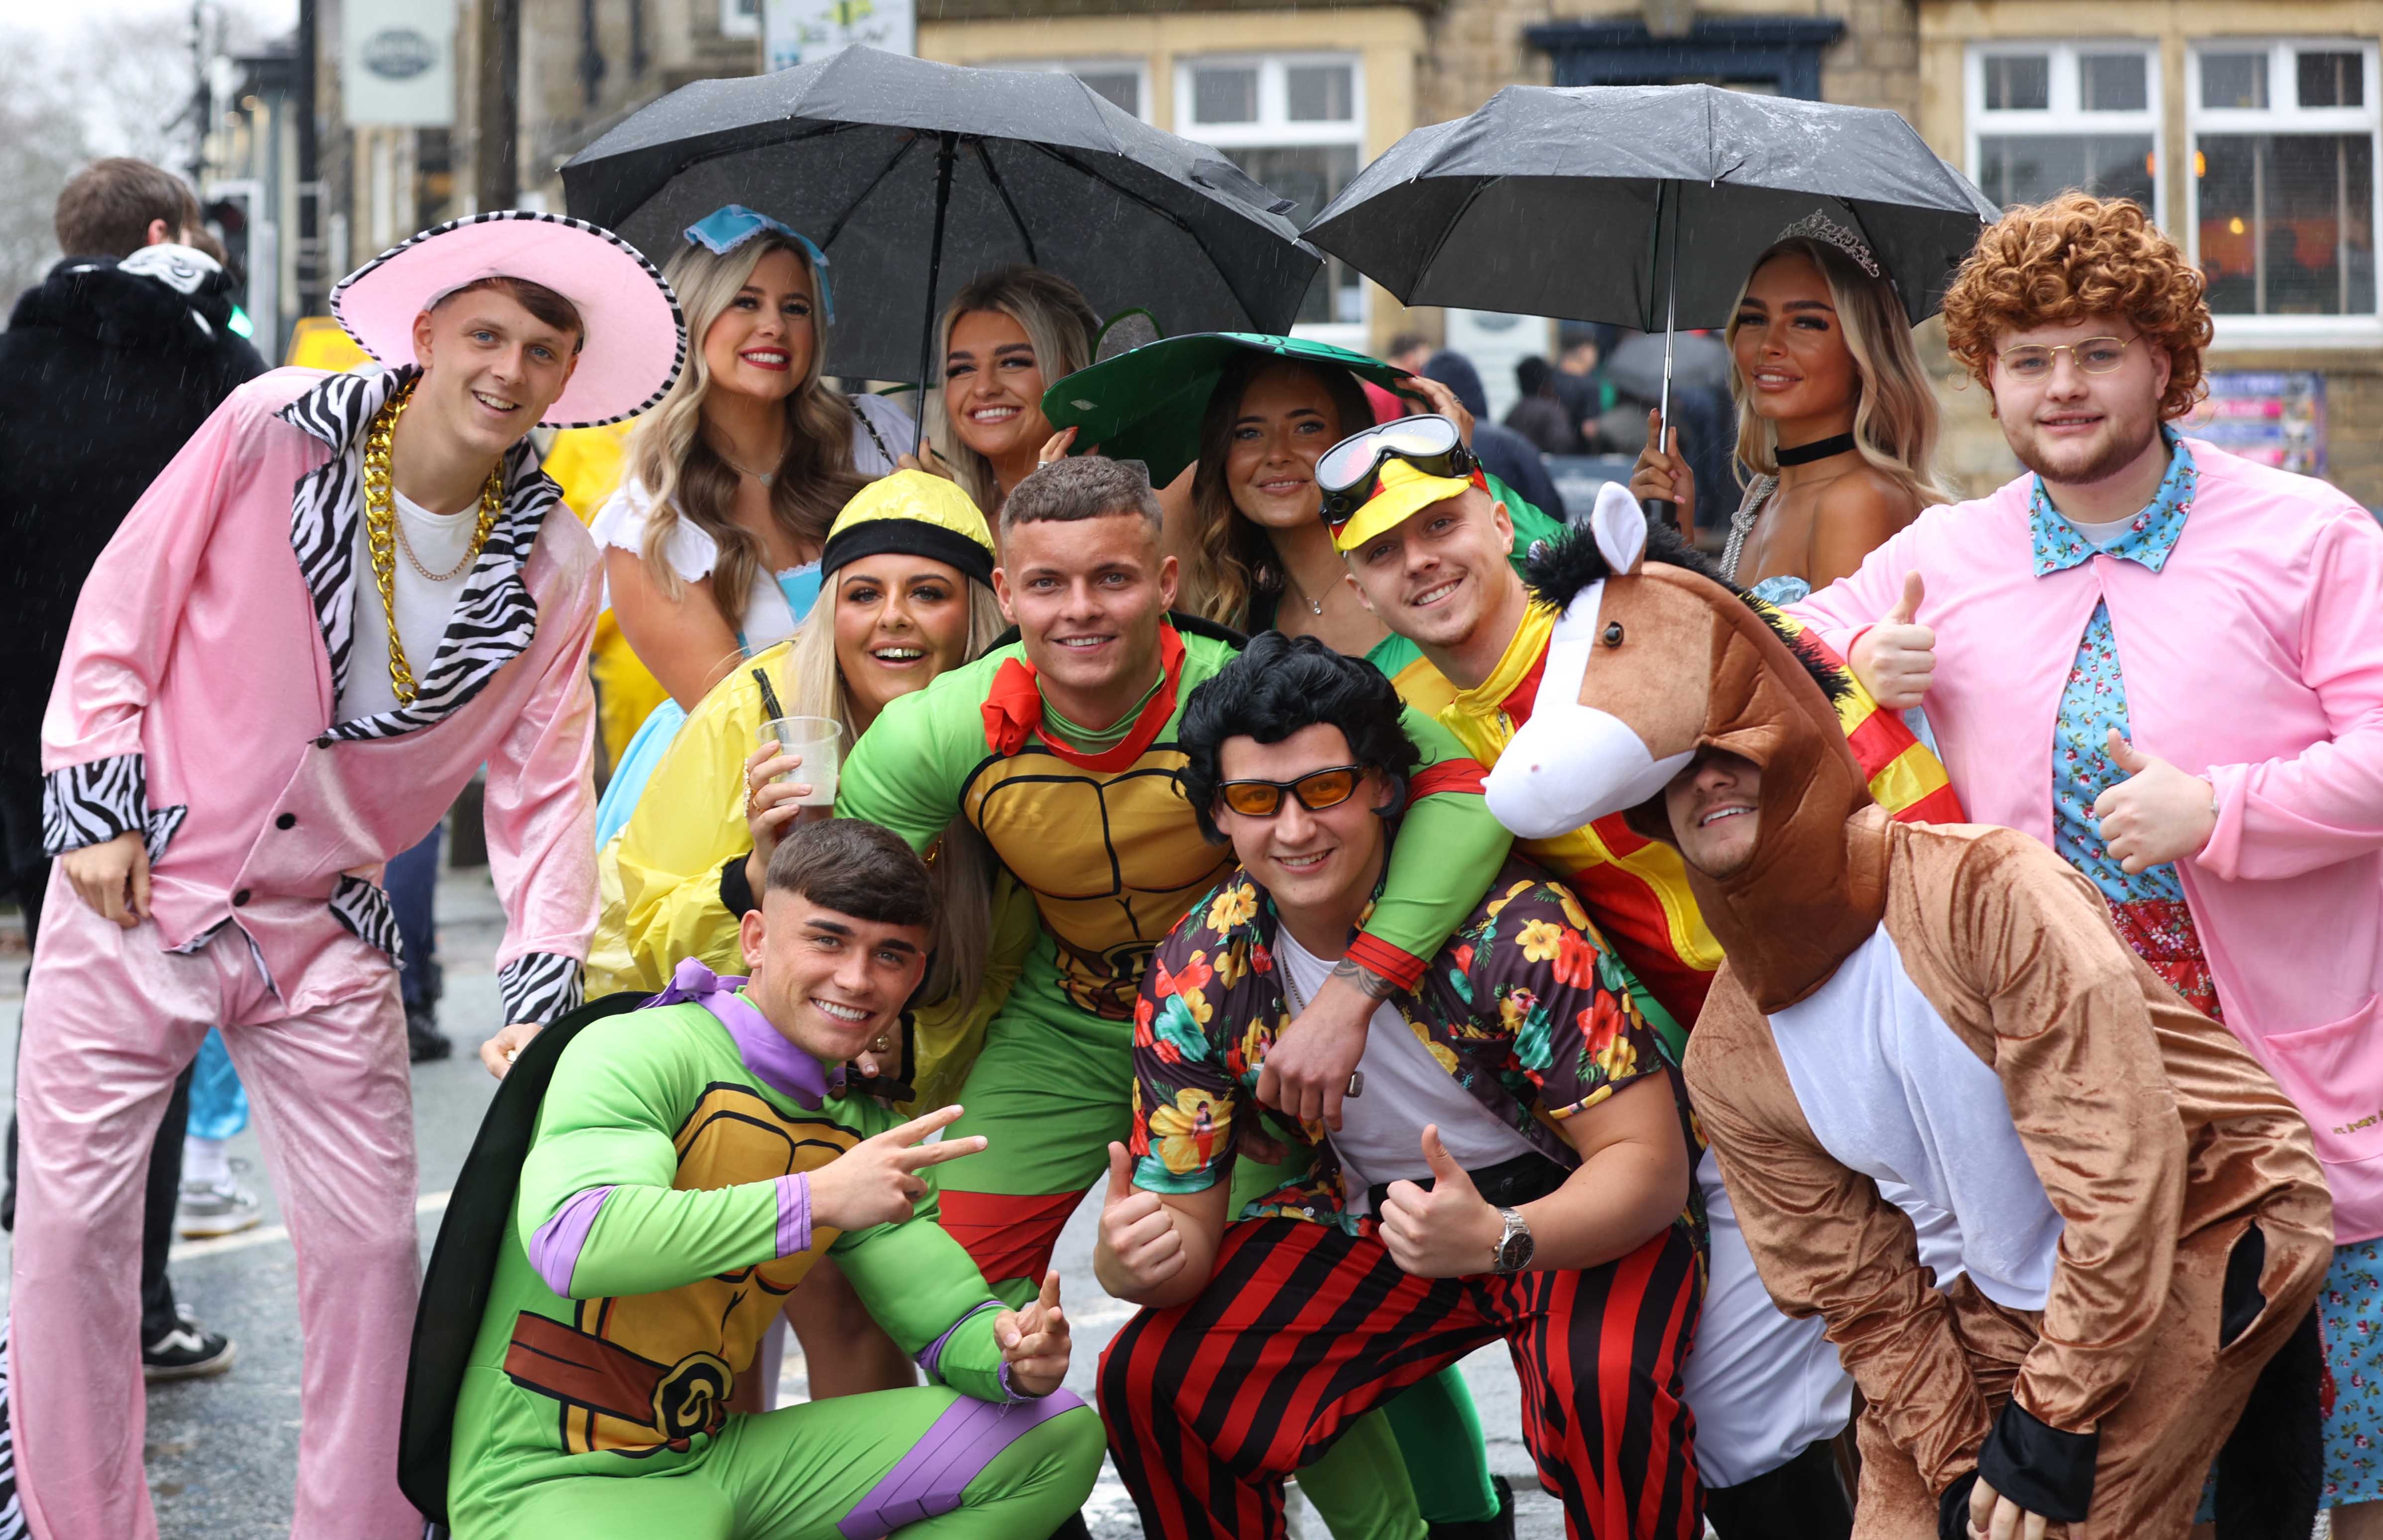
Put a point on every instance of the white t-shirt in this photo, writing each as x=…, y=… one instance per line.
x=438, y=541
x=1381, y=1131
x=768, y=615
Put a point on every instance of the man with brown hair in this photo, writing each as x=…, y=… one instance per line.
x=106, y=368
x=2166, y=662
x=342, y=597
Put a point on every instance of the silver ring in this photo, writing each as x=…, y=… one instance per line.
x=1356, y=1082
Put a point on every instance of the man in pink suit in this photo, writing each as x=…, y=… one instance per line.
x=343, y=596
x=2166, y=662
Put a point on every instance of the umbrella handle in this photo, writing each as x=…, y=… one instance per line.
x=1655, y=507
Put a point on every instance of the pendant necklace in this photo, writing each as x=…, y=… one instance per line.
x=764, y=477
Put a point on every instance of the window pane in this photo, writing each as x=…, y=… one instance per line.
x=1122, y=87
x=1321, y=92
x=2286, y=223
x=2233, y=80
x=2028, y=168
x=1312, y=175
x=2333, y=80
x=1225, y=94
x=2018, y=83
x=2112, y=82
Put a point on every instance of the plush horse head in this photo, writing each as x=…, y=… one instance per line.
x=1652, y=658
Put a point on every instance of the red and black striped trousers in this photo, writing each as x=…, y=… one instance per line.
x=1304, y=1329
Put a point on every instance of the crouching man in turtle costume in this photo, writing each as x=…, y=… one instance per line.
x=2137, y=1209
x=691, y=1161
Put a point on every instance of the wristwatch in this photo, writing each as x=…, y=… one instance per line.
x=1512, y=1253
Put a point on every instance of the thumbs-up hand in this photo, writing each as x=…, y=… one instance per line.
x=2157, y=814
x=1896, y=657
x=1137, y=1232
x=1449, y=1232
x=1034, y=1341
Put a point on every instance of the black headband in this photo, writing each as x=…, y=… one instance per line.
x=909, y=537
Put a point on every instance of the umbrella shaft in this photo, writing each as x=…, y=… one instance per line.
x=943, y=154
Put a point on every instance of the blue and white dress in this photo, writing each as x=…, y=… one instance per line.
x=774, y=608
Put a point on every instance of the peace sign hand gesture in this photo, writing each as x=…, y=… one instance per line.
x=876, y=1181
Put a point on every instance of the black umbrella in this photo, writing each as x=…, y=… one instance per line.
x=914, y=176
x=1581, y=203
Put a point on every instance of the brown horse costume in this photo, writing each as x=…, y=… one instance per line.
x=2143, y=1223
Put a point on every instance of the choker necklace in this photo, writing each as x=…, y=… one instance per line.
x=1820, y=448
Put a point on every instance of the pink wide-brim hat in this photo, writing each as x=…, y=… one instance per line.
x=635, y=340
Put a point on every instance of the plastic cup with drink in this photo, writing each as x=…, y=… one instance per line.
x=818, y=740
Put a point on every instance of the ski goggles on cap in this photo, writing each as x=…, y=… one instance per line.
x=726, y=228
x=1378, y=478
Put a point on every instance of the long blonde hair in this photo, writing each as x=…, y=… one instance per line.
x=962, y=866
x=1894, y=418
x=686, y=477
x=1060, y=324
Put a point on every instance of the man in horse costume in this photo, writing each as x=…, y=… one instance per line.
x=2142, y=1220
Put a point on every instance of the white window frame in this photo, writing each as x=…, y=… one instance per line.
x=1273, y=130
x=2283, y=79
x=2063, y=115
x=734, y=24
x=1137, y=65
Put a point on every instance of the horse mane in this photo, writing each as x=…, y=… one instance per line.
x=1558, y=569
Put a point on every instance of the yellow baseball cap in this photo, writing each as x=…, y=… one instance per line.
x=1401, y=491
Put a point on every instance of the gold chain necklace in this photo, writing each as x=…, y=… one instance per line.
x=381, y=534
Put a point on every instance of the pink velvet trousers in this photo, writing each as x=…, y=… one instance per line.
x=110, y=1020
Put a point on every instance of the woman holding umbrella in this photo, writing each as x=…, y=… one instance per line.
x=1837, y=422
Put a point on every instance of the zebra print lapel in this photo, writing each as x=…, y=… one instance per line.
x=495, y=616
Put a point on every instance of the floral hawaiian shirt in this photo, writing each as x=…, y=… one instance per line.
x=2094, y=700
x=1525, y=1007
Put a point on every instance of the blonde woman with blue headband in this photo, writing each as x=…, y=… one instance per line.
x=711, y=543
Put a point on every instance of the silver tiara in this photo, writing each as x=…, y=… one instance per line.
x=1820, y=227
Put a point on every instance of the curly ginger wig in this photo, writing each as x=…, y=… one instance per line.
x=2079, y=255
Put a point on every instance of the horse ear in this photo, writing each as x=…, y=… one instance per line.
x=1620, y=526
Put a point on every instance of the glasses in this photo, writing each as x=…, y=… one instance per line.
x=1347, y=471
x=2094, y=355
x=1316, y=790
x=729, y=227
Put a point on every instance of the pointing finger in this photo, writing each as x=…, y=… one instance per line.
x=1049, y=1296
x=920, y=1127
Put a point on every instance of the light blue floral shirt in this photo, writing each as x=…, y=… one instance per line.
x=2094, y=700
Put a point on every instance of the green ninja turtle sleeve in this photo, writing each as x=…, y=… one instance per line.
x=907, y=770
x=598, y=1213
x=923, y=1288
x=1442, y=862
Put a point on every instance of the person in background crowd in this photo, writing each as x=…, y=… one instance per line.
x=106, y=369
x=2166, y=662
x=377, y=551
x=1516, y=1165
x=213, y=1201
x=693, y=1160
x=1504, y=453
x=1408, y=351
x=712, y=543
x=1540, y=415
x=1837, y=422
x=1007, y=335
x=1579, y=384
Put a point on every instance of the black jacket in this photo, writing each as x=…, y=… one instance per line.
x=104, y=374
x=1504, y=453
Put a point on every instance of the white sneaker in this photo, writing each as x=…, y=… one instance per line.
x=210, y=1209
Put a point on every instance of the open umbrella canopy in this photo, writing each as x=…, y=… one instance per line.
x=1147, y=404
x=1547, y=201
x=914, y=176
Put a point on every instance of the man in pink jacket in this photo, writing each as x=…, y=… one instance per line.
x=342, y=597
x=2166, y=662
